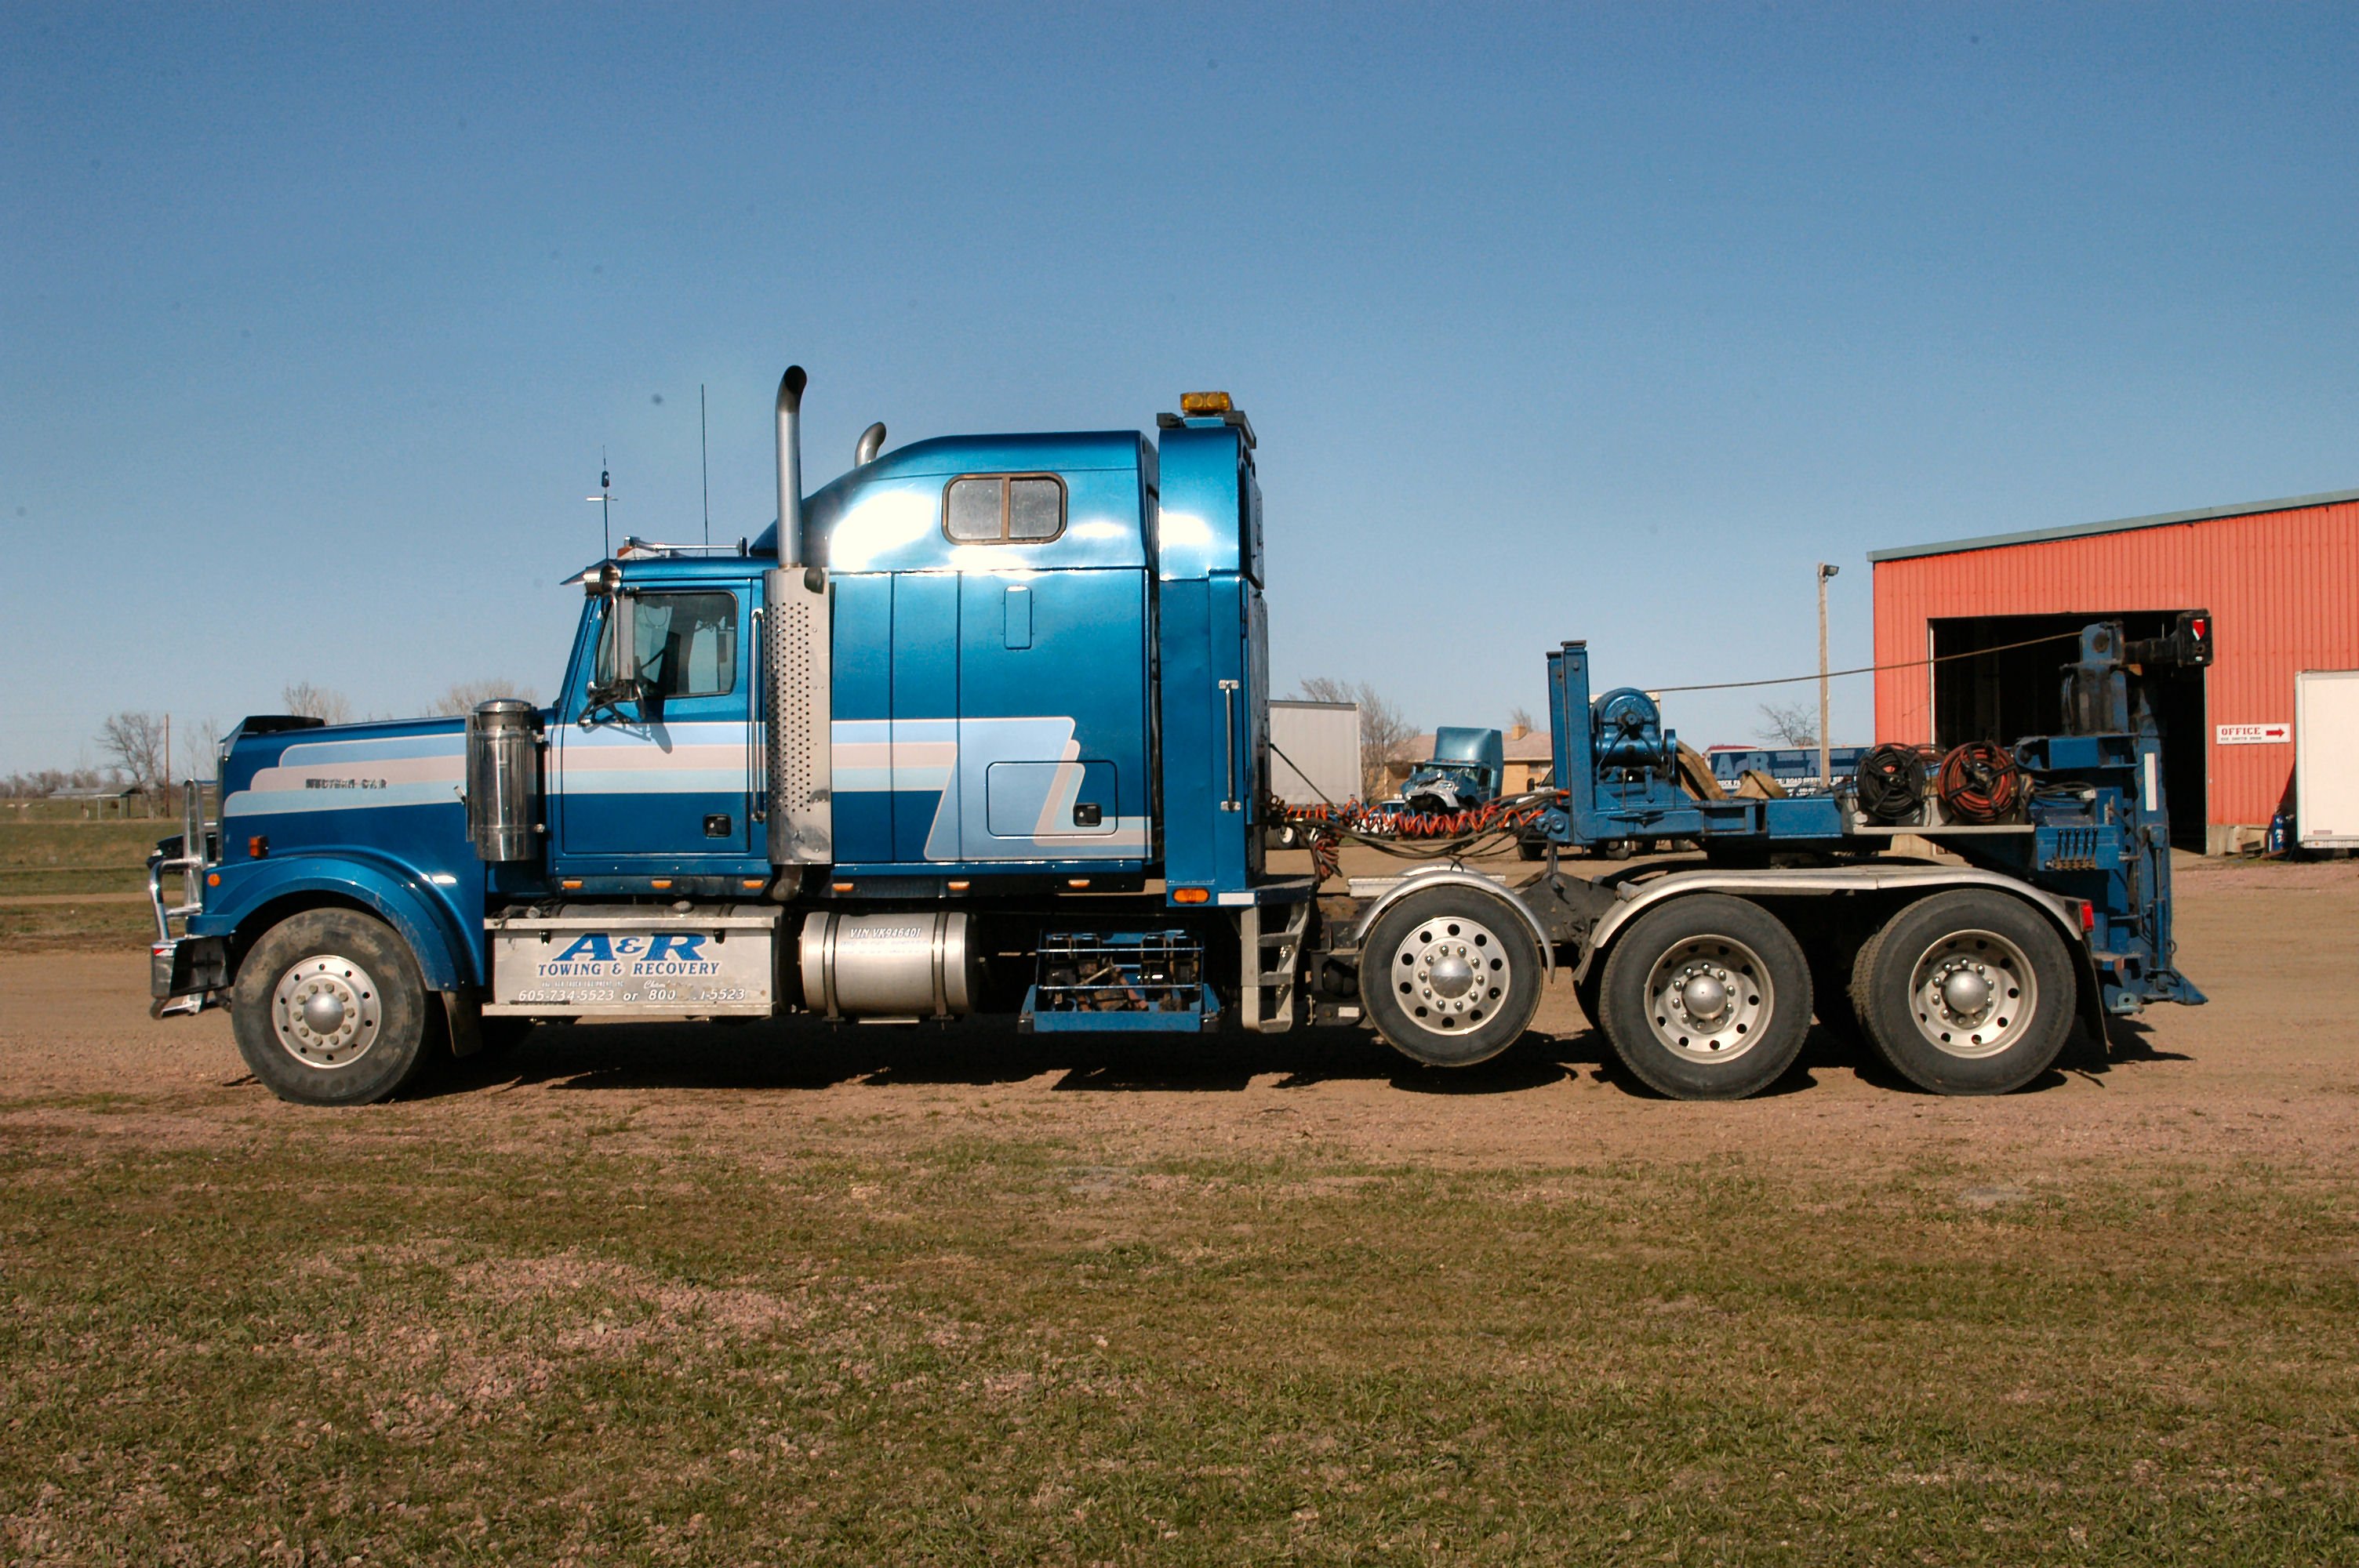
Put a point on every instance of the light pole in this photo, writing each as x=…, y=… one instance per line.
x=1825, y=572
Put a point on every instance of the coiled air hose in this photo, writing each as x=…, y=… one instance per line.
x=1980, y=782
x=1890, y=782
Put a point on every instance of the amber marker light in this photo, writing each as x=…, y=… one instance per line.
x=658, y=884
x=1204, y=405
x=1191, y=895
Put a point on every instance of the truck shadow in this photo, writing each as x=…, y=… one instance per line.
x=985, y=1053
x=976, y=1053
x=2085, y=1056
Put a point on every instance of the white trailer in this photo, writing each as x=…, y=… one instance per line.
x=1314, y=751
x=2326, y=759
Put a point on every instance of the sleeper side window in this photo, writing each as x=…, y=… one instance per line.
x=1004, y=509
x=687, y=644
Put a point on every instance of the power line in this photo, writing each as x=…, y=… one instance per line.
x=1871, y=669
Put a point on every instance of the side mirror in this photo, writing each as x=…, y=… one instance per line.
x=622, y=627
x=625, y=623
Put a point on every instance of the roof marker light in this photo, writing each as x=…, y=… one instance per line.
x=1205, y=405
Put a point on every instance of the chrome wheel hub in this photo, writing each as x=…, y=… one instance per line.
x=1450, y=975
x=326, y=1011
x=1972, y=994
x=1708, y=997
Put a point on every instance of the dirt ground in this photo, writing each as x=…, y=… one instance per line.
x=2269, y=1070
x=659, y=1292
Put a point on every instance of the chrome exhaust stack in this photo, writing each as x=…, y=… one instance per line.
x=795, y=643
x=790, y=466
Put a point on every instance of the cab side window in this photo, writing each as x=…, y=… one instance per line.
x=1004, y=509
x=687, y=644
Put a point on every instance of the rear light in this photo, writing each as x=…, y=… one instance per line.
x=2088, y=918
x=1191, y=895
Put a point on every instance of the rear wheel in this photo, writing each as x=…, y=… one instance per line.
x=1706, y=997
x=1967, y=992
x=1585, y=989
x=329, y=1010
x=1450, y=976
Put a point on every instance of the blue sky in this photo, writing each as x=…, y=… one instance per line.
x=1554, y=321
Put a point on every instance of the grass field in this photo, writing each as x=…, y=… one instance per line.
x=960, y=1341
x=70, y=857
x=48, y=863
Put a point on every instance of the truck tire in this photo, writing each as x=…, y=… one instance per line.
x=1450, y=976
x=1706, y=997
x=329, y=1010
x=1967, y=992
x=1585, y=989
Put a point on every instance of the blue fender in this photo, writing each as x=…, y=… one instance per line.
x=447, y=955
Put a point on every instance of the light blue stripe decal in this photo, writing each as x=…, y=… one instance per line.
x=340, y=795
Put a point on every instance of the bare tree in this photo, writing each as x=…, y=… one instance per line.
x=463, y=696
x=1520, y=717
x=305, y=700
x=133, y=744
x=48, y=781
x=1382, y=726
x=1792, y=724
x=207, y=763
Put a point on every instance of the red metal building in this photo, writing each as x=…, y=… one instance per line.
x=2280, y=577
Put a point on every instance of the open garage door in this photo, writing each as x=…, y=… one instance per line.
x=1982, y=695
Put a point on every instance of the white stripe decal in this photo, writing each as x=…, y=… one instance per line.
x=706, y=757
x=350, y=776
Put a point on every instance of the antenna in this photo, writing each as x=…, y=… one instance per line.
x=605, y=500
x=704, y=458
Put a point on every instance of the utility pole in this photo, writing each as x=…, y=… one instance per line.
x=1826, y=777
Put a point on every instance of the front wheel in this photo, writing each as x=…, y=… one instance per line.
x=329, y=1009
x=1706, y=997
x=1450, y=976
x=1967, y=992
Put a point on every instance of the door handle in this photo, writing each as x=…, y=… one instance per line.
x=1229, y=733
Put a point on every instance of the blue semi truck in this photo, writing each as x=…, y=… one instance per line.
x=980, y=727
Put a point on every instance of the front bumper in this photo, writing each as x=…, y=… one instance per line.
x=186, y=974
